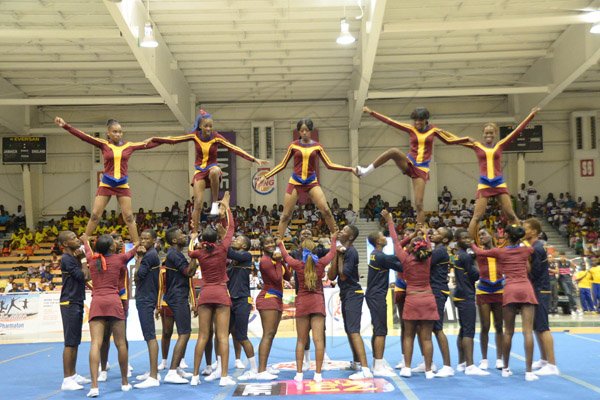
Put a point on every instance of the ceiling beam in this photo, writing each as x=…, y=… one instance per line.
x=68, y=34
x=12, y=117
x=81, y=101
x=367, y=50
x=450, y=92
x=485, y=24
x=574, y=52
x=441, y=57
x=62, y=66
x=157, y=63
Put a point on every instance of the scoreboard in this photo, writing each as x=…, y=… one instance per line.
x=530, y=140
x=24, y=150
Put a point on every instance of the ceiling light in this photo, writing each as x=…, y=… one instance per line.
x=345, y=35
x=148, y=40
x=595, y=29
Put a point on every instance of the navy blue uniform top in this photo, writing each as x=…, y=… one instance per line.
x=319, y=251
x=378, y=278
x=350, y=271
x=146, y=278
x=440, y=262
x=177, y=281
x=73, y=280
x=465, y=276
x=540, y=277
x=238, y=271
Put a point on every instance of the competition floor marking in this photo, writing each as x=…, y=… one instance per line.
x=584, y=337
x=26, y=355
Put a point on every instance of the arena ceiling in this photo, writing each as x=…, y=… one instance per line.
x=86, y=52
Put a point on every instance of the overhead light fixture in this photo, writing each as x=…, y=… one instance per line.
x=595, y=29
x=148, y=41
x=345, y=37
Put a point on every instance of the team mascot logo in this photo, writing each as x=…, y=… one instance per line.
x=265, y=188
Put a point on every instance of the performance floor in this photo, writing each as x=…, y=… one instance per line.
x=34, y=371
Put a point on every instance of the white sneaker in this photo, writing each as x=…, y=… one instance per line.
x=126, y=388
x=383, y=372
x=94, y=392
x=239, y=364
x=445, y=372
x=429, y=375
x=530, y=376
x=227, y=381
x=406, y=372
x=143, y=377
x=547, y=369
x=273, y=370
x=129, y=373
x=82, y=380
x=400, y=365
x=129, y=367
x=174, y=377
x=183, y=373
x=361, y=375
x=539, y=364
x=506, y=372
x=248, y=376
x=195, y=380
x=483, y=364
x=461, y=367
x=207, y=370
x=162, y=365
x=214, y=365
x=299, y=377
x=214, y=209
x=318, y=378
x=183, y=364
x=499, y=363
x=216, y=374
x=421, y=367
x=305, y=365
x=265, y=376
x=102, y=376
x=476, y=371
x=70, y=384
x=147, y=383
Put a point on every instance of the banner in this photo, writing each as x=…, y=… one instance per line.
x=227, y=163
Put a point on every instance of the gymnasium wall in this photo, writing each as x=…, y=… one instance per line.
x=160, y=176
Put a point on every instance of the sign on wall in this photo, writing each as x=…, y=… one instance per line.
x=586, y=168
x=24, y=150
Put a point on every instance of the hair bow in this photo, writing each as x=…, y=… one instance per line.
x=207, y=245
x=201, y=115
x=419, y=245
x=100, y=261
x=307, y=253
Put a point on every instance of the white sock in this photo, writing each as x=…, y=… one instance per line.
x=377, y=363
x=218, y=364
x=253, y=366
x=306, y=355
x=368, y=169
x=366, y=369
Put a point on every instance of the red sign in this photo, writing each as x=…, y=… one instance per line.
x=327, y=386
x=586, y=168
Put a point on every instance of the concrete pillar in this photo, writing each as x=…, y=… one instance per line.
x=355, y=184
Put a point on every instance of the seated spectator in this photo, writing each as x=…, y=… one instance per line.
x=6, y=249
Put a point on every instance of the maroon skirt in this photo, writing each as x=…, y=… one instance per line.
x=413, y=172
x=491, y=192
x=109, y=191
x=489, y=298
x=300, y=188
x=217, y=295
x=104, y=305
x=420, y=307
x=203, y=176
x=270, y=302
x=310, y=303
x=518, y=293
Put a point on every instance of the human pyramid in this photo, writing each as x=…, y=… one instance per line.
x=500, y=280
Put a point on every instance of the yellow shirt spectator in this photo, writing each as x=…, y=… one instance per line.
x=595, y=272
x=586, y=279
x=39, y=237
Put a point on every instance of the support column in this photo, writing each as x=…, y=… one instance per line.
x=28, y=197
x=520, y=171
x=354, y=185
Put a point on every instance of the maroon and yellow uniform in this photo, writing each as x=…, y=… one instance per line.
x=116, y=158
x=206, y=151
x=306, y=156
x=273, y=274
x=490, y=287
x=491, y=180
x=420, y=144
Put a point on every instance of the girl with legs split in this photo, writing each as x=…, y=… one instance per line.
x=415, y=164
x=491, y=180
x=304, y=178
x=518, y=294
x=208, y=174
x=310, y=302
x=106, y=308
x=116, y=154
x=489, y=299
x=269, y=301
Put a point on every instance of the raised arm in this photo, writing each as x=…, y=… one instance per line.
x=513, y=135
x=331, y=165
x=281, y=165
x=323, y=261
x=450, y=138
x=77, y=133
x=383, y=118
x=173, y=139
x=230, y=228
x=291, y=261
x=237, y=150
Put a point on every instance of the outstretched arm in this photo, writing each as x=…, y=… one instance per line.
x=77, y=133
x=513, y=135
x=383, y=118
x=331, y=165
x=238, y=150
x=450, y=138
x=172, y=139
x=281, y=165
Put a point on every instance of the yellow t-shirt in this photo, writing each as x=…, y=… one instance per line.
x=595, y=272
x=586, y=282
